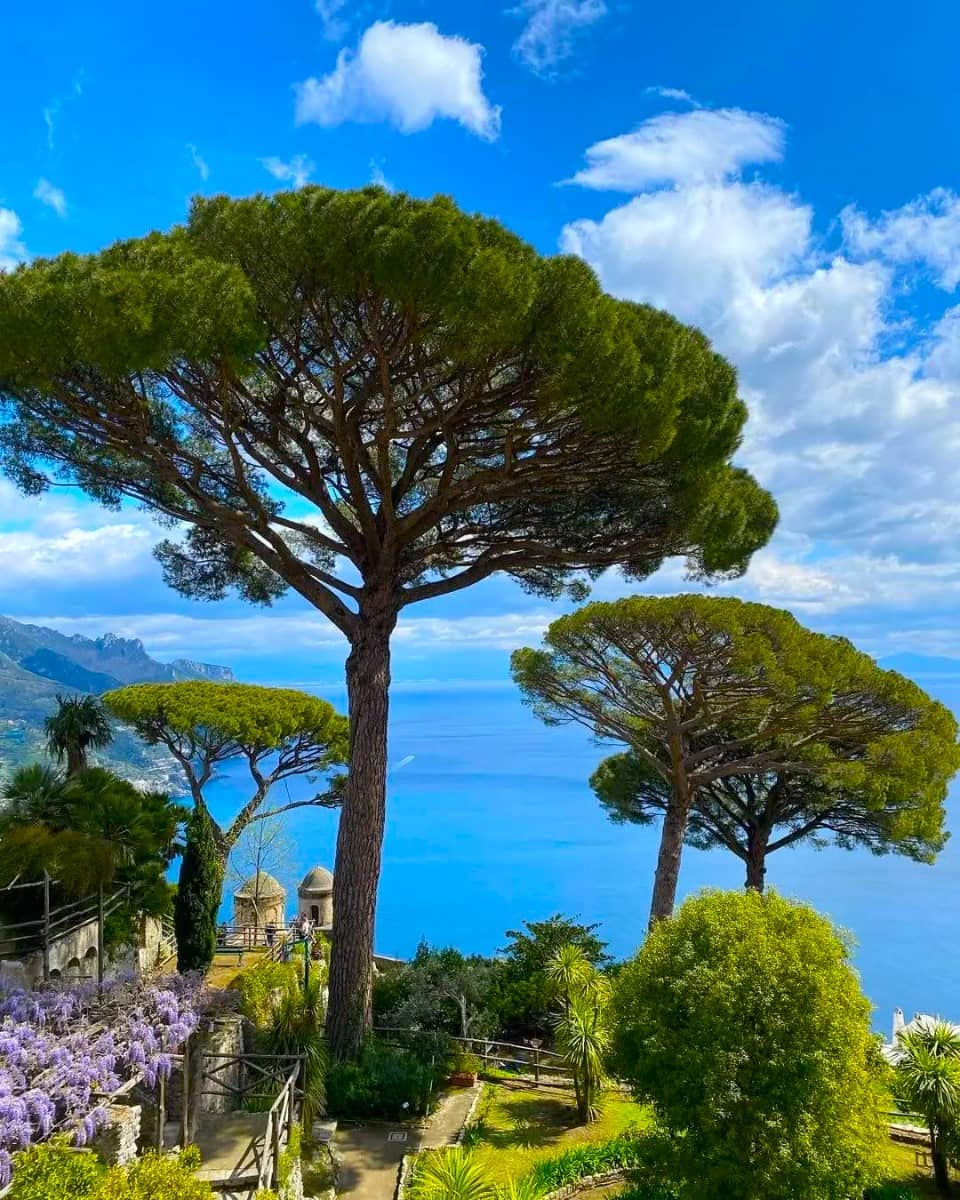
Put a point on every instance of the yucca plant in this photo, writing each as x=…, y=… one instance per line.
x=297, y=1029
x=581, y=1026
x=451, y=1175
x=525, y=1188
x=927, y=1062
x=568, y=971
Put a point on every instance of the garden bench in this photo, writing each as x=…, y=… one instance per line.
x=237, y=951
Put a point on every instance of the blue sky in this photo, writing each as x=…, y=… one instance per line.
x=783, y=175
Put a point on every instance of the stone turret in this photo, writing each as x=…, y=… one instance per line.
x=315, y=898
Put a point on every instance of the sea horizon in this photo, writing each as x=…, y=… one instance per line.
x=491, y=822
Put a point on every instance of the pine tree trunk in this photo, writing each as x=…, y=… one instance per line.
x=671, y=841
x=756, y=859
x=360, y=836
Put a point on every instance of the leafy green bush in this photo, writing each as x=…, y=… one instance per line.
x=54, y=1169
x=890, y=1191
x=382, y=1082
x=449, y=1174
x=259, y=987
x=289, y=1157
x=627, y=1151
x=743, y=1022
x=497, y=1073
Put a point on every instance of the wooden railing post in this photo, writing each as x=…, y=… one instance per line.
x=275, y=1172
x=100, y=939
x=46, y=927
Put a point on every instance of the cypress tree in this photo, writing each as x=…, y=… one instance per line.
x=198, y=895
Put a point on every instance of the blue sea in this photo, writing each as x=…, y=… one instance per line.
x=491, y=822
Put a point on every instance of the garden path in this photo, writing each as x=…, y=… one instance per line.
x=370, y=1155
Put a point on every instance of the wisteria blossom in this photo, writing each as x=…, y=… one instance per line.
x=64, y=1053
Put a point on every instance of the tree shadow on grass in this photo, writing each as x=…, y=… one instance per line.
x=530, y=1122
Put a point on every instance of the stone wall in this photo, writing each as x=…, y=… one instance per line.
x=117, y=1142
x=152, y=944
x=221, y=1037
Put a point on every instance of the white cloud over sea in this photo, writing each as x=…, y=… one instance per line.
x=854, y=397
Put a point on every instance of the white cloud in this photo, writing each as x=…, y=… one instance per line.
x=705, y=144
x=377, y=176
x=331, y=14
x=12, y=249
x=854, y=408
x=173, y=634
x=116, y=551
x=694, y=249
x=297, y=171
x=407, y=75
x=924, y=232
x=551, y=30
x=671, y=93
x=51, y=196
x=50, y=113
x=199, y=162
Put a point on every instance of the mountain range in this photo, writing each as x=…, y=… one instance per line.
x=37, y=664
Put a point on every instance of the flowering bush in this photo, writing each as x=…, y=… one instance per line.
x=64, y=1053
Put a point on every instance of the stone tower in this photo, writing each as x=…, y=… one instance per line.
x=259, y=902
x=315, y=897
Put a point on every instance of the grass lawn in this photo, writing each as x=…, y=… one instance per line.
x=225, y=967
x=903, y=1170
x=522, y=1125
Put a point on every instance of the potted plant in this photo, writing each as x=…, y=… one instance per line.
x=465, y=1068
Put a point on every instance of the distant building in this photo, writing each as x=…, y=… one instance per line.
x=259, y=902
x=315, y=898
x=919, y=1020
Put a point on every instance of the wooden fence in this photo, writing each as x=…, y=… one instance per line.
x=40, y=935
x=280, y=1121
x=524, y=1059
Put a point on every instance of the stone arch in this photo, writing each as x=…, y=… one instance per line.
x=72, y=969
x=90, y=963
x=54, y=976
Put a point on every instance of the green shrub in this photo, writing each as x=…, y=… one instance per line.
x=382, y=1082
x=156, y=1175
x=54, y=1170
x=450, y=1174
x=259, y=987
x=890, y=1191
x=493, y=1074
x=743, y=1022
x=646, y=1191
x=627, y=1151
x=289, y=1157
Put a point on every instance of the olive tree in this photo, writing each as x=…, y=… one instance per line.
x=373, y=401
x=706, y=691
x=743, y=1023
